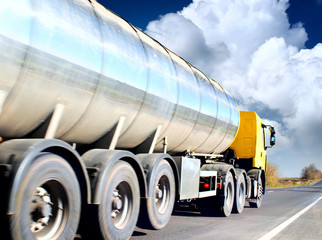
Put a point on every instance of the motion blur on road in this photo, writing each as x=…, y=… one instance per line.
x=278, y=206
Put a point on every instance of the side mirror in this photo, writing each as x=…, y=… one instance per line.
x=272, y=139
x=269, y=134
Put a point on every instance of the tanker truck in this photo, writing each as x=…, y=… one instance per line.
x=103, y=128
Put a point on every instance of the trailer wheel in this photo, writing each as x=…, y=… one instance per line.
x=240, y=194
x=228, y=201
x=119, y=208
x=257, y=202
x=48, y=202
x=157, y=210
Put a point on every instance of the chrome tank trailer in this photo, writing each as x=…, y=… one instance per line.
x=97, y=69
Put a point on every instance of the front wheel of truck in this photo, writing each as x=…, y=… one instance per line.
x=257, y=202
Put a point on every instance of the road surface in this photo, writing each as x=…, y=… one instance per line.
x=288, y=213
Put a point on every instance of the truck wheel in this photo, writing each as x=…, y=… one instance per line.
x=119, y=208
x=228, y=201
x=48, y=202
x=157, y=211
x=240, y=194
x=257, y=202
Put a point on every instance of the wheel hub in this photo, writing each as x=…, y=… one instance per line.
x=158, y=193
x=162, y=194
x=121, y=198
x=41, y=210
x=117, y=201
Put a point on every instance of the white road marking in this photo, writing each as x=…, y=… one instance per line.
x=283, y=225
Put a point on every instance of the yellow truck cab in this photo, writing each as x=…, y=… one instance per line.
x=250, y=143
x=249, y=147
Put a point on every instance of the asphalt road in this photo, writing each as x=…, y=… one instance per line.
x=286, y=213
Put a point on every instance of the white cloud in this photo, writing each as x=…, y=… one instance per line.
x=191, y=43
x=288, y=80
x=250, y=48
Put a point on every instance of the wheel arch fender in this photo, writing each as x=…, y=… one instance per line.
x=20, y=153
x=222, y=170
x=150, y=162
x=240, y=171
x=99, y=162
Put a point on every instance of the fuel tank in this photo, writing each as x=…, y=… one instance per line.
x=100, y=68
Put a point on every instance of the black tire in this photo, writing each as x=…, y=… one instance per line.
x=240, y=194
x=157, y=210
x=228, y=201
x=257, y=202
x=48, y=202
x=119, y=208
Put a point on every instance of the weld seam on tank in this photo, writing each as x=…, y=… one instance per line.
x=200, y=103
x=228, y=126
x=139, y=112
x=97, y=18
x=216, y=119
x=165, y=128
x=18, y=81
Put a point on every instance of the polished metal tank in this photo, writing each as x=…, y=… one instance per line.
x=99, y=68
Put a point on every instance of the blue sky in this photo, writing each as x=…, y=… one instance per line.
x=267, y=53
x=141, y=12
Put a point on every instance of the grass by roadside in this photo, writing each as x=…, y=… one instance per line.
x=290, y=182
